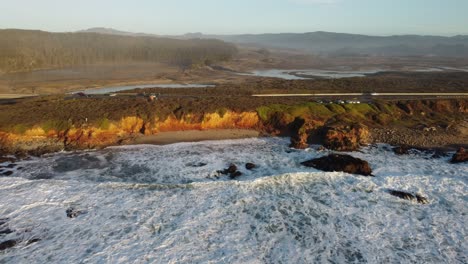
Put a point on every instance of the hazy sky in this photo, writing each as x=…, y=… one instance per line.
x=375, y=17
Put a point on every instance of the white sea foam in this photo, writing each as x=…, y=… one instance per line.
x=160, y=204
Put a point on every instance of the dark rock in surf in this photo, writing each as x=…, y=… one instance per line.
x=337, y=162
x=409, y=196
x=5, y=231
x=196, y=164
x=235, y=174
x=250, y=166
x=231, y=169
x=7, y=173
x=460, y=156
x=401, y=150
x=32, y=241
x=73, y=213
x=7, y=244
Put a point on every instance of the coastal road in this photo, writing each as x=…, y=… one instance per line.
x=451, y=95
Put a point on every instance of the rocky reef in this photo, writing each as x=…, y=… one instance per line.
x=337, y=162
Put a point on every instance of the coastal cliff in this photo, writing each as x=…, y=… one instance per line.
x=342, y=127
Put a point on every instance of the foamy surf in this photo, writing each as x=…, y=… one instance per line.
x=164, y=204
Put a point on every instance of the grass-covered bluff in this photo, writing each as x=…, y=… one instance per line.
x=54, y=123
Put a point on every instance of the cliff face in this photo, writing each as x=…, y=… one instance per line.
x=37, y=140
x=347, y=127
x=340, y=127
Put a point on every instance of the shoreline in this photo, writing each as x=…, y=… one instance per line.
x=172, y=137
x=40, y=148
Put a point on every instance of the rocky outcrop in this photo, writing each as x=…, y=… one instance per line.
x=409, y=196
x=460, y=156
x=344, y=163
x=302, y=131
x=299, y=136
x=345, y=137
x=231, y=171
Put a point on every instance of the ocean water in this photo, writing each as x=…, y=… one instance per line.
x=167, y=204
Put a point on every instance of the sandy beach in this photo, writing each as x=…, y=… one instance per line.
x=164, y=138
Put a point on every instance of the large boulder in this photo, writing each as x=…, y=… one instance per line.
x=337, y=162
x=460, y=156
x=345, y=137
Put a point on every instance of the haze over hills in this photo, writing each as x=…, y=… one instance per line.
x=23, y=50
x=329, y=43
x=111, y=31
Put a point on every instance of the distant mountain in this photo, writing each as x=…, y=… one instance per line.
x=329, y=43
x=351, y=44
x=111, y=31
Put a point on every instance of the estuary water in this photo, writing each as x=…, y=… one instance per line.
x=113, y=89
x=168, y=204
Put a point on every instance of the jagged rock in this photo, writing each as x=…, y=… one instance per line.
x=409, y=196
x=299, y=135
x=460, y=156
x=337, y=162
x=299, y=141
x=8, y=244
x=250, y=166
x=345, y=137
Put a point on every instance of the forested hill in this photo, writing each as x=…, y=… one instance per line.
x=24, y=50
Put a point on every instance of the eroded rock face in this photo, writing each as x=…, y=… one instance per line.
x=337, y=162
x=299, y=135
x=409, y=196
x=302, y=131
x=344, y=137
x=460, y=156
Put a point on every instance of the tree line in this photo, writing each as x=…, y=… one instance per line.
x=25, y=50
